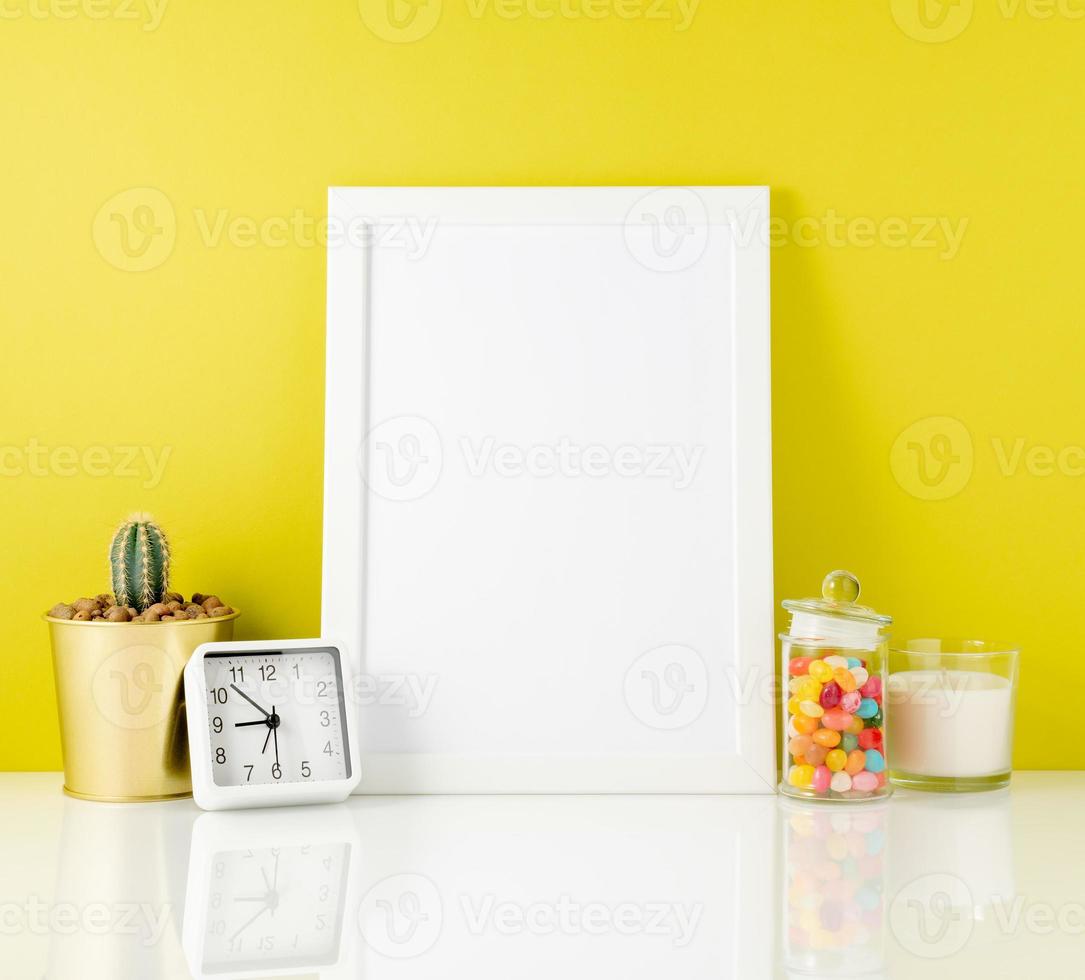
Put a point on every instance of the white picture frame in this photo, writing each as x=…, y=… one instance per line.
x=516, y=615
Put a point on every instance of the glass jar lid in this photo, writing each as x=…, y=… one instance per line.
x=836, y=615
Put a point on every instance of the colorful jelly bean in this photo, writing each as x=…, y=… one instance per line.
x=805, y=725
x=830, y=695
x=793, y=706
x=822, y=778
x=815, y=755
x=808, y=689
x=811, y=708
x=799, y=744
x=856, y=762
x=872, y=688
x=868, y=708
x=870, y=738
x=829, y=738
x=798, y=666
x=851, y=701
x=843, y=677
x=876, y=720
x=875, y=761
x=861, y=676
x=821, y=671
x=849, y=742
x=836, y=760
x=855, y=727
x=840, y=783
x=853, y=662
x=801, y=776
x=837, y=661
x=864, y=781
x=837, y=719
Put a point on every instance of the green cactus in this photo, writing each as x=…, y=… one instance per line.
x=139, y=559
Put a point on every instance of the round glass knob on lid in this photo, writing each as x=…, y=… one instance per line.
x=839, y=587
x=836, y=615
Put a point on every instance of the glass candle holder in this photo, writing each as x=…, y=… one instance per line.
x=833, y=665
x=952, y=704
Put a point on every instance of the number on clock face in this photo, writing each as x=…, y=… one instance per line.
x=276, y=717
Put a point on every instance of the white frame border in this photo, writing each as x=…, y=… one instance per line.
x=753, y=767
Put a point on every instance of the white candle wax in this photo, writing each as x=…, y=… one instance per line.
x=950, y=723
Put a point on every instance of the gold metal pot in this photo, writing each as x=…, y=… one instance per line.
x=121, y=700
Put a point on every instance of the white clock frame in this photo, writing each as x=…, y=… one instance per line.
x=207, y=794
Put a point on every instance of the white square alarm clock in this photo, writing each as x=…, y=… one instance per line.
x=270, y=723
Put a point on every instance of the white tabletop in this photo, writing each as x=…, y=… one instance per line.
x=928, y=886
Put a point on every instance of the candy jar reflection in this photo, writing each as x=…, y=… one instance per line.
x=831, y=880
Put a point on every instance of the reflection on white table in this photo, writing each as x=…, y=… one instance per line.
x=268, y=892
x=724, y=888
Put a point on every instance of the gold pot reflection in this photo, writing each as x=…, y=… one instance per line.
x=120, y=697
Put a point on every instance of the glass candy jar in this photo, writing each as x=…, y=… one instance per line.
x=834, y=658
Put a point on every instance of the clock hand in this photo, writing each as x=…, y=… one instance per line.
x=250, y=700
x=266, y=740
x=246, y=724
x=250, y=922
x=275, y=732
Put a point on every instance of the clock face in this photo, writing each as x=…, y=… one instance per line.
x=275, y=907
x=276, y=717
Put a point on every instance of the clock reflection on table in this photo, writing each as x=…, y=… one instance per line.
x=268, y=892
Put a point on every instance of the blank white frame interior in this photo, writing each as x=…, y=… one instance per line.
x=547, y=514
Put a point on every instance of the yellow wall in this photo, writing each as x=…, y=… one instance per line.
x=868, y=125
